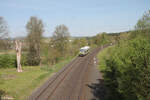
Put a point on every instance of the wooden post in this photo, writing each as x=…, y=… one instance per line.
x=18, y=55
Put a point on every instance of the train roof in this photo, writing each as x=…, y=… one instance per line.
x=85, y=47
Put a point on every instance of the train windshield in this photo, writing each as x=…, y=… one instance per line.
x=82, y=50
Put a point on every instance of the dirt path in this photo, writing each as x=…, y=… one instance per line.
x=72, y=82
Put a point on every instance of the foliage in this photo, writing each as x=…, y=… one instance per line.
x=60, y=39
x=4, y=38
x=50, y=55
x=24, y=60
x=9, y=60
x=35, y=29
x=58, y=46
x=82, y=42
x=101, y=39
x=127, y=72
x=142, y=27
x=77, y=44
x=3, y=28
x=144, y=22
x=103, y=56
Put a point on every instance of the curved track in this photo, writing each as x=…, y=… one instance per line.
x=71, y=82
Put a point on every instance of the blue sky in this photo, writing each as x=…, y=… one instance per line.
x=82, y=17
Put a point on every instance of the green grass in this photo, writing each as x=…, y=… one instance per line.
x=102, y=56
x=21, y=85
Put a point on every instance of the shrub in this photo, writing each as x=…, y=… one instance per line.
x=9, y=61
x=24, y=61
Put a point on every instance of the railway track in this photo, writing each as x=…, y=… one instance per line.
x=36, y=94
x=69, y=83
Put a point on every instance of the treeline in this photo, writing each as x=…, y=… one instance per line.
x=127, y=69
x=38, y=50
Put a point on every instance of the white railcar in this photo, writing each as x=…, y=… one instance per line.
x=84, y=51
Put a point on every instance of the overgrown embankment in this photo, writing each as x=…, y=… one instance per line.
x=126, y=70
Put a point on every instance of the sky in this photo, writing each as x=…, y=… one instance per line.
x=82, y=17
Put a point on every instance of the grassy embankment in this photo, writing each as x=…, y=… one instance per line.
x=102, y=56
x=20, y=85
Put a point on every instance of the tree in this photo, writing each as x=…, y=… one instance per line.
x=3, y=33
x=101, y=39
x=60, y=39
x=35, y=29
x=144, y=22
x=3, y=28
x=77, y=43
x=142, y=27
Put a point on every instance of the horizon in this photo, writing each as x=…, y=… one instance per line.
x=83, y=18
